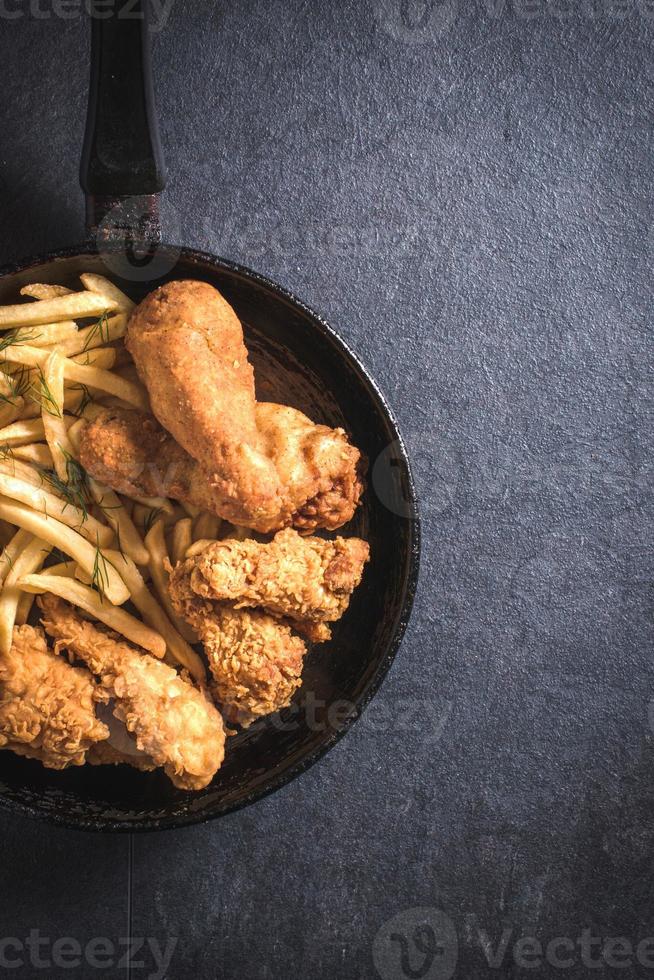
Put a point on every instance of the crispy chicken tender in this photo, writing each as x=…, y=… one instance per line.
x=106, y=754
x=47, y=707
x=319, y=470
x=256, y=661
x=309, y=580
x=173, y=723
x=187, y=344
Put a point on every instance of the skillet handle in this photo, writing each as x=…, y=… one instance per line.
x=122, y=169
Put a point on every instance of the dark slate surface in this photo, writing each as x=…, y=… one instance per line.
x=465, y=190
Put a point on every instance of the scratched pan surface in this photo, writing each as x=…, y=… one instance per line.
x=300, y=361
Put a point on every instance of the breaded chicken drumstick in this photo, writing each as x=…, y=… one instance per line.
x=187, y=344
x=259, y=465
x=173, y=723
x=319, y=469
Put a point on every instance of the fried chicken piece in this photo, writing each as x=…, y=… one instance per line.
x=187, y=344
x=120, y=748
x=319, y=470
x=309, y=580
x=106, y=754
x=130, y=452
x=255, y=661
x=266, y=468
x=173, y=722
x=47, y=707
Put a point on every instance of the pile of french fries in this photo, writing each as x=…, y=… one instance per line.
x=62, y=359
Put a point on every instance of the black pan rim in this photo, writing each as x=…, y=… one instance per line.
x=411, y=572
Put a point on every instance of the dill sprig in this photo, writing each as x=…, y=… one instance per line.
x=75, y=488
x=19, y=383
x=42, y=395
x=100, y=575
x=86, y=399
x=11, y=338
x=107, y=507
x=99, y=329
x=151, y=519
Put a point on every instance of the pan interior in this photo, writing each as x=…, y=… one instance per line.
x=298, y=361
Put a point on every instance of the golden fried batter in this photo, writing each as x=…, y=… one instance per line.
x=319, y=470
x=256, y=661
x=187, y=344
x=173, y=723
x=47, y=707
x=133, y=454
x=106, y=754
x=305, y=579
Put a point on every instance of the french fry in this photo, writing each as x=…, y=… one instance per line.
x=11, y=551
x=102, y=287
x=134, y=395
x=91, y=602
x=23, y=609
x=26, y=600
x=182, y=539
x=82, y=577
x=97, y=335
x=156, y=503
x=60, y=536
x=65, y=568
x=113, y=509
x=11, y=410
x=155, y=616
x=90, y=411
x=41, y=290
x=34, y=452
x=144, y=517
x=155, y=542
x=190, y=509
x=75, y=434
x=29, y=560
x=54, y=506
x=52, y=415
x=198, y=547
x=129, y=539
x=22, y=433
x=25, y=471
x=100, y=357
x=206, y=525
x=6, y=534
x=46, y=334
x=72, y=306
x=11, y=402
x=6, y=385
x=85, y=374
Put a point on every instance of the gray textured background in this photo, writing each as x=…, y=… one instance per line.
x=465, y=191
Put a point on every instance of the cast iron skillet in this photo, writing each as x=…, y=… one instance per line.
x=299, y=360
